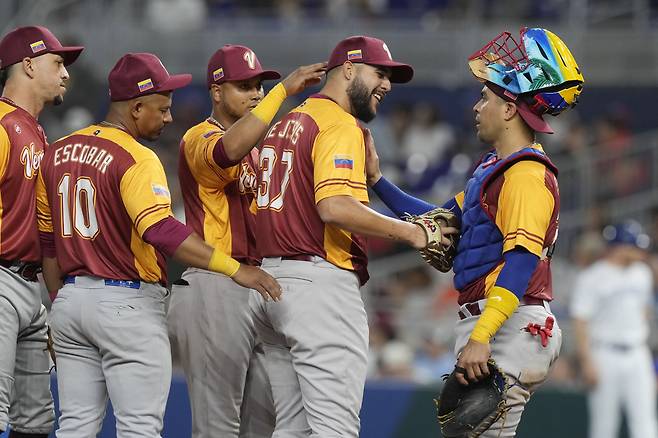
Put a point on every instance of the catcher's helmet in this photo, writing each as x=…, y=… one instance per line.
x=541, y=69
x=629, y=232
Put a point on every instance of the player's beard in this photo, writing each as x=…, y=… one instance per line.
x=58, y=100
x=360, y=96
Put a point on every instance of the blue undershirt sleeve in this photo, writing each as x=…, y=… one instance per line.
x=519, y=267
x=400, y=203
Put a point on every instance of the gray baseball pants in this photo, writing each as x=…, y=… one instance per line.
x=316, y=344
x=520, y=356
x=111, y=342
x=211, y=329
x=25, y=399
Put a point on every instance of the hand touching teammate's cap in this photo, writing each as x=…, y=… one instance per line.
x=236, y=63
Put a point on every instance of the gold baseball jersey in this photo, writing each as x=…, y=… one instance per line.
x=217, y=200
x=99, y=191
x=22, y=145
x=315, y=152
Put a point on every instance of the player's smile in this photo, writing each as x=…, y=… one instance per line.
x=379, y=96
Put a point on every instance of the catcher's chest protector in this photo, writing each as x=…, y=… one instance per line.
x=481, y=244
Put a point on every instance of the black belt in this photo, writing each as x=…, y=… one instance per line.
x=26, y=270
x=474, y=307
x=299, y=257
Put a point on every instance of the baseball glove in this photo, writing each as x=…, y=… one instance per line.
x=468, y=411
x=435, y=253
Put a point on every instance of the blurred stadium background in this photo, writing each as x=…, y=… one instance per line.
x=606, y=148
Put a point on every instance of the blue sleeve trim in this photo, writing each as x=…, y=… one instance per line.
x=519, y=267
x=399, y=202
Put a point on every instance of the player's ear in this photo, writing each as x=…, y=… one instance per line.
x=510, y=111
x=216, y=93
x=349, y=70
x=28, y=66
x=136, y=107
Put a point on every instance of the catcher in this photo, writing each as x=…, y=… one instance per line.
x=508, y=217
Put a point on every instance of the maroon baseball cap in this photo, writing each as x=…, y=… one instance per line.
x=33, y=41
x=139, y=74
x=369, y=50
x=236, y=63
x=534, y=120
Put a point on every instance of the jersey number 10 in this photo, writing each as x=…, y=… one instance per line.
x=82, y=212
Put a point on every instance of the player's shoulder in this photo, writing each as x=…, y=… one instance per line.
x=526, y=168
x=598, y=271
x=5, y=109
x=90, y=130
x=642, y=270
x=327, y=114
x=122, y=142
x=202, y=131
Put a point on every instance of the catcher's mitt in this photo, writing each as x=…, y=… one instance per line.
x=436, y=254
x=468, y=411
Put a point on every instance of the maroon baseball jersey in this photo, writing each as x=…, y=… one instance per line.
x=217, y=200
x=22, y=145
x=317, y=151
x=98, y=192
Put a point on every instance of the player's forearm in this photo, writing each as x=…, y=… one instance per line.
x=398, y=201
x=349, y=214
x=52, y=275
x=581, y=335
x=244, y=134
x=194, y=252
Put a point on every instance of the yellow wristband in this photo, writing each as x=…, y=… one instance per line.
x=220, y=262
x=501, y=303
x=268, y=107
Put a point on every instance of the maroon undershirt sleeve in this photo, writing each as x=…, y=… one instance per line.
x=219, y=155
x=167, y=235
x=47, y=243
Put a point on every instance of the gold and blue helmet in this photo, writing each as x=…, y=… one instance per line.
x=541, y=69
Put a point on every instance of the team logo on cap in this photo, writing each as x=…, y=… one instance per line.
x=354, y=54
x=388, y=52
x=250, y=58
x=38, y=46
x=218, y=74
x=145, y=85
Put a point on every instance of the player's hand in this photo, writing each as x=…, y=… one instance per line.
x=373, y=172
x=254, y=277
x=473, y=359
x=418, y=237
x=304, y=76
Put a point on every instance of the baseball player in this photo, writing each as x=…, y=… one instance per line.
x=103, y=198
x=509, y=216
x=311, y=215
x=33, y=73
x=209, y=318
x=611, y=308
